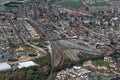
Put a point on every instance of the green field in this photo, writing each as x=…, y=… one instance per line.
x=12, y=4
x=98, y=4
x=72, y=4
x=2, y=9
x=101, y=63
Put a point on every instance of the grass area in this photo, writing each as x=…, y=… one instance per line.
x=2, y=9
x=12, y=5
x=98, y=4
x=99, y=78
x=36, y=41
x=101, y=63
x=85, y=56
x=73, y=4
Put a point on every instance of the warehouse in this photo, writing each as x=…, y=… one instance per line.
x=26, y=64
x=5, y=67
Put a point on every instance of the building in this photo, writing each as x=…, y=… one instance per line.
x=26, y=64
x=5, y=67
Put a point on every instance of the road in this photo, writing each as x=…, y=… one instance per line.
x=38, y=26
x=90, y=8
x=52, y=60
x=36, y=47
x=115, y=72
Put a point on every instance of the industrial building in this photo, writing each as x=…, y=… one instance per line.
x=5, y=67
x=26, y=64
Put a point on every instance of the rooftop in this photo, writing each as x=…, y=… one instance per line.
x=26, y=64
x=4, y=66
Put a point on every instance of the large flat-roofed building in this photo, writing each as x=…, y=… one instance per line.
x=4, y=67
x=26, y=64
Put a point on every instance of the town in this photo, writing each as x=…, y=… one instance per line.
x=80, y=37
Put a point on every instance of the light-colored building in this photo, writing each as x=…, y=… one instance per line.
x=26, y=64
x=4, y=67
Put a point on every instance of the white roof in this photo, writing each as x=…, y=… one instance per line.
x=115, y=18
x=76, y=67
x=4, y=66
x=26, y=64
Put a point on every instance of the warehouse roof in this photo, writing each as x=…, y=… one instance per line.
x=26, y=64
x=4, y=66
